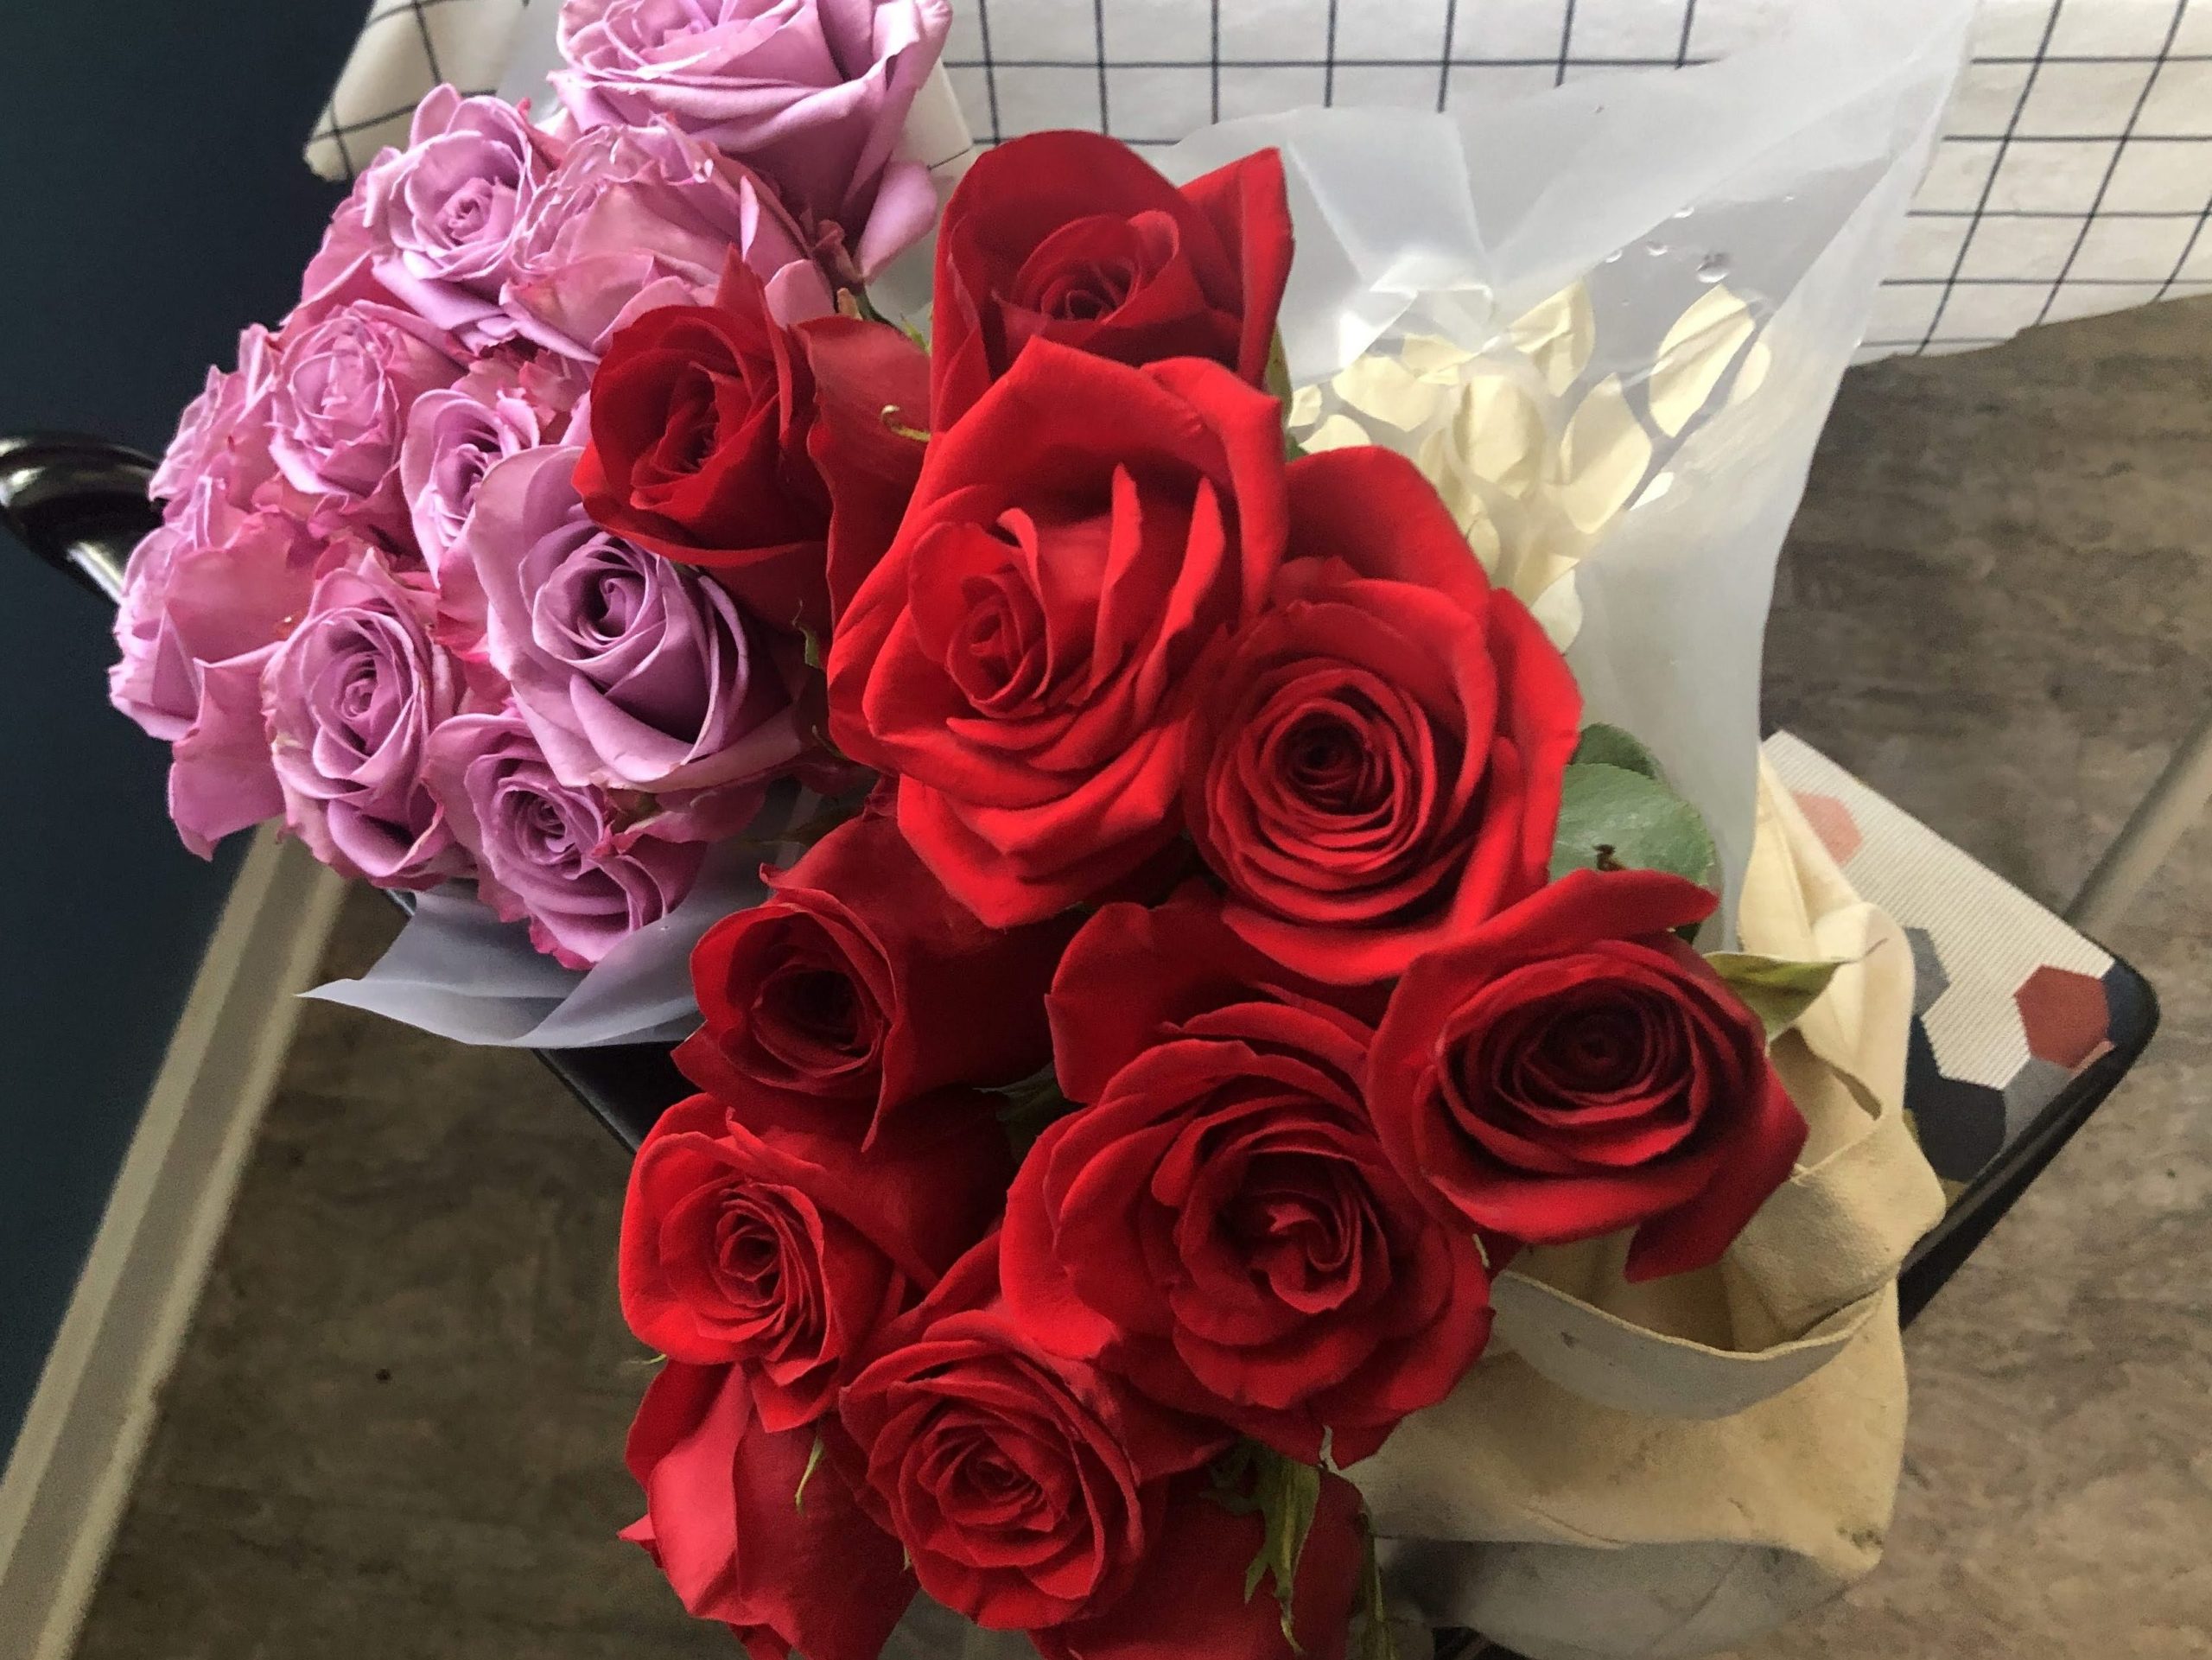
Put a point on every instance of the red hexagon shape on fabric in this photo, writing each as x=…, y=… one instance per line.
x=2064, y=1014
x=1832, y=822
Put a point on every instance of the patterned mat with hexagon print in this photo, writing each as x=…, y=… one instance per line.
x=2009, y=1003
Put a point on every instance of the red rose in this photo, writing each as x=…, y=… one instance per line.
x=785, y=1254
x=705, y=445
x=1188, y=1600
x=1027, y=1487
x=1570, y=1068
x=723, y=1521
x=871, y=406
x=1221, y=1224
x=861, y=982
x=1021, y=656
x=1377, y=758
x=699, y=422
x=1073, y=238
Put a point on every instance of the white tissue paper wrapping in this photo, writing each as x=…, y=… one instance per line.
x=1608, y=319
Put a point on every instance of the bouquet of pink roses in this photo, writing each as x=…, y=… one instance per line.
x=378, y=605
x=1221, y=975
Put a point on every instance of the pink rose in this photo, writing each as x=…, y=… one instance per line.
x=340, y=272
x=345, y=386
x=224, y=432
x=206, y=598
x=351, y=697
x=444, y=212
x=569, y=861
x=635, y=672
x=637, y=217
x=814, y=94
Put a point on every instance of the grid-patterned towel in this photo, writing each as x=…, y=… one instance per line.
x=406, y=47
x=2074, y=177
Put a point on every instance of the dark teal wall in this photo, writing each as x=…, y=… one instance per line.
x=152, y=201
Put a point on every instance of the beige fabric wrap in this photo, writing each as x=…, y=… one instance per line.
x=1668, y=1469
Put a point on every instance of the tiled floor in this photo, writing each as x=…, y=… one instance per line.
x=395, y=1431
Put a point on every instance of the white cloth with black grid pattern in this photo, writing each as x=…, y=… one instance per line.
x=2075, y=175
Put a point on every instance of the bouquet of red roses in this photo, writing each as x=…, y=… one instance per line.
x=1210, y=972
x=1110, y=1133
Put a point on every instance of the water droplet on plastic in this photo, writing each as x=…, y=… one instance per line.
x=1713, y=268
x=1684, y=212
x=1613, y=258
x=1654, y=247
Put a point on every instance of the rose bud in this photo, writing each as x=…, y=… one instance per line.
x=1377, y=758
x=1074, y=237
x=785, y=1254
x=1038, y=723
x=813, y=92
x=1220, y=1224
x=871, y=407
x=855, y=987
x=1570, y=1068
x=750, y=1530
x=351, y=697
x=1028, y=1489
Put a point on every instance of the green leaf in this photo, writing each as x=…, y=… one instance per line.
x=1776, y=990
x=1277, y=376
x=1612, y=818
x=1286, y=1494
x=1609, y=745
x=1375, y=1640
x=1278, y=372
x=813, y=1458
x=1029, y=1108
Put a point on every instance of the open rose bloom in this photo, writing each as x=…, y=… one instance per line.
x=1259, y=1080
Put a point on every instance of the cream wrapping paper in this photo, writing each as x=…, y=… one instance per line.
x=1668, y=1469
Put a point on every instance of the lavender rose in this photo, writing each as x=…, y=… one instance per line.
x=813, y=92
x=340, y=272
x=455, y=436
x=345, y=385
x=351, y=699
x=644, y=216
x=224, y=432
x=634, y=672
x=561, y=857
x=444, y=212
